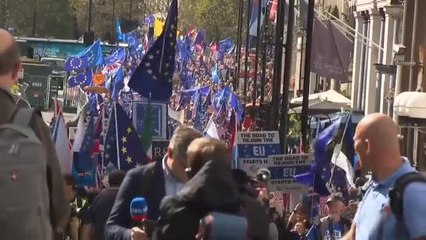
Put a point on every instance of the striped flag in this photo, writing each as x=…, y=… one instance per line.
x=62, y=144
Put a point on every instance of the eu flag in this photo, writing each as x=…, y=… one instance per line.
x=117, y=56
x=84, y=79
x=132, y=38
x=198, y=102
x=130, y=152
x=118, y=84
x=187, y=79
x=222, y=97
x=238, y=106
x=184, y=47
x=74, y=63
x=320, y=170
x=94, y=54
x=225, y=46
x=153, y=77
x=84, y=167
x=110, y=149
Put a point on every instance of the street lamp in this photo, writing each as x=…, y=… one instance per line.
x=34, y=18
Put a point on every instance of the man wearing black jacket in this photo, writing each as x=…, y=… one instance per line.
x=103, y=202
x=152, y=181
x=211, y=189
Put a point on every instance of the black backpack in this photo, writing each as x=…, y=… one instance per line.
x=396, y=194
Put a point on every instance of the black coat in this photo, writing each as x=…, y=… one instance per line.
x=146, y=181
x=211, y=190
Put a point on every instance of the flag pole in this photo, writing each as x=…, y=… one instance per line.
x=247, y=48
x=116, y=136
x=163, y=34
x=256, y=60
x=287, y=75
x=334, y=160
x=278, y=54
x=306, y=75
x=239, y=43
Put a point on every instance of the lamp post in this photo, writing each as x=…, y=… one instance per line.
x=113, y=16
x=287, y=75
x=34, y=19
x=130, y=10
x=239, y=43
x=278, y=54
x=89, y=16
x=248, y=16
x=307, y=72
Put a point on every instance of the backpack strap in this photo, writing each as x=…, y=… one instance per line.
x=396, y=194
x=23, y=116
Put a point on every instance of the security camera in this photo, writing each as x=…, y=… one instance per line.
x=399, y=51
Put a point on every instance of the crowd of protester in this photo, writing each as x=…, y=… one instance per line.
x=193, y=192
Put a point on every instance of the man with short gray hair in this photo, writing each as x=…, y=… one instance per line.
x=153, y=181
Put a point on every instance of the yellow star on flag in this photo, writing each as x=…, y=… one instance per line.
x=129, y=130
x=129, y=160
x=124, y=150
x=124, y=139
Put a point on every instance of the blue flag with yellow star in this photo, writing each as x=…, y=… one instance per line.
x=75, y=63
x=110, y=144
x=94, y=54
x=84, y=79
x=83, y=168
x=129, y=152
x=153, y=77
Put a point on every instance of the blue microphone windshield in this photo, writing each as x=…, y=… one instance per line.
x=138, y=209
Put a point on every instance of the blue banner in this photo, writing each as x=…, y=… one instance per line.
x=283, y=169
x=254, y=149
